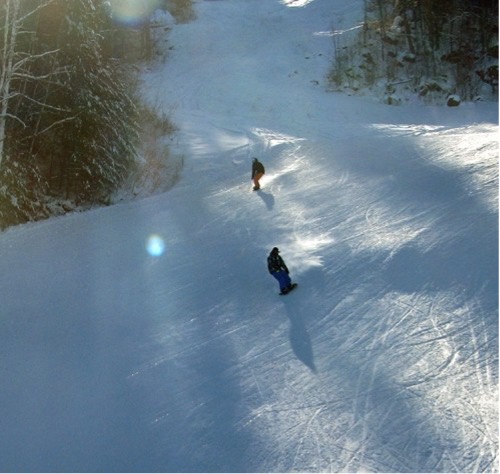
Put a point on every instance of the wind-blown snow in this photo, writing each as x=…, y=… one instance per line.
x=149, y=337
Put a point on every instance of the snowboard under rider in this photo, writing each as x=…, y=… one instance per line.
x=257, y=173
x=278, y=269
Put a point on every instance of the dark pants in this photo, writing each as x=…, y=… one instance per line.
x=283, y=279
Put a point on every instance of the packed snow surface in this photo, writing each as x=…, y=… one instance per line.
x=149, y=336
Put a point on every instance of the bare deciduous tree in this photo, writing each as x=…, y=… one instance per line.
x=13, y=64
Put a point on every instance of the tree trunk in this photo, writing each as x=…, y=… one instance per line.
x=11, y=11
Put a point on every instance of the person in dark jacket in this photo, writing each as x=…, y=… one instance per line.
x=257, y=173
x=278, y=269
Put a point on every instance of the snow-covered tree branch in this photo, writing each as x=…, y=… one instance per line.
x=66, y=120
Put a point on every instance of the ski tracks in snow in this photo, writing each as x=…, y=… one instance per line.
x=404, y=352
x=378, y=361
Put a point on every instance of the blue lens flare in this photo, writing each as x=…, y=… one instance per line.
x=155, y=245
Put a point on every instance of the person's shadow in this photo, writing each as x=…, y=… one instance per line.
x=299, y=337
x=267, y=198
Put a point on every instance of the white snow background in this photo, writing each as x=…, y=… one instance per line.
x=148, y=336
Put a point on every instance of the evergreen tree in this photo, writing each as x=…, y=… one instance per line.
x=19, y=180
x=93, y=150
x=68, y=122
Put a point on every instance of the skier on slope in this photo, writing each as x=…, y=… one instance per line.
x=257, y=173
x=278, y=269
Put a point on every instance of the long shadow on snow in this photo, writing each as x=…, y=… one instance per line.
x=188, y=394
x=465, y=257
x=467, y=252
x=215, y=443
x=458, y=251
x=300, y=340
x=401, y=435
x=267, y=198
x=378, y=402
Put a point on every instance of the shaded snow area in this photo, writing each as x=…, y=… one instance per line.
x=149, y=336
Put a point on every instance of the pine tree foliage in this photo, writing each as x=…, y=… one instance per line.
x=97, y=142
x=70, y=125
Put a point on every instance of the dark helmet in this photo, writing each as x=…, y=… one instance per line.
x=255, y=159
x=275, y=250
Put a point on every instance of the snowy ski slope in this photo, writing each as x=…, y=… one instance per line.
x=149, y=337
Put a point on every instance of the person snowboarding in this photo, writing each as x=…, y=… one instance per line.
x=257, y=173
x=278, y=269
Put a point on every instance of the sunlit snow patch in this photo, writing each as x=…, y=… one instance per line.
x=296, y=3
x=155, y=245
x=273, y=138
x=471, y=149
